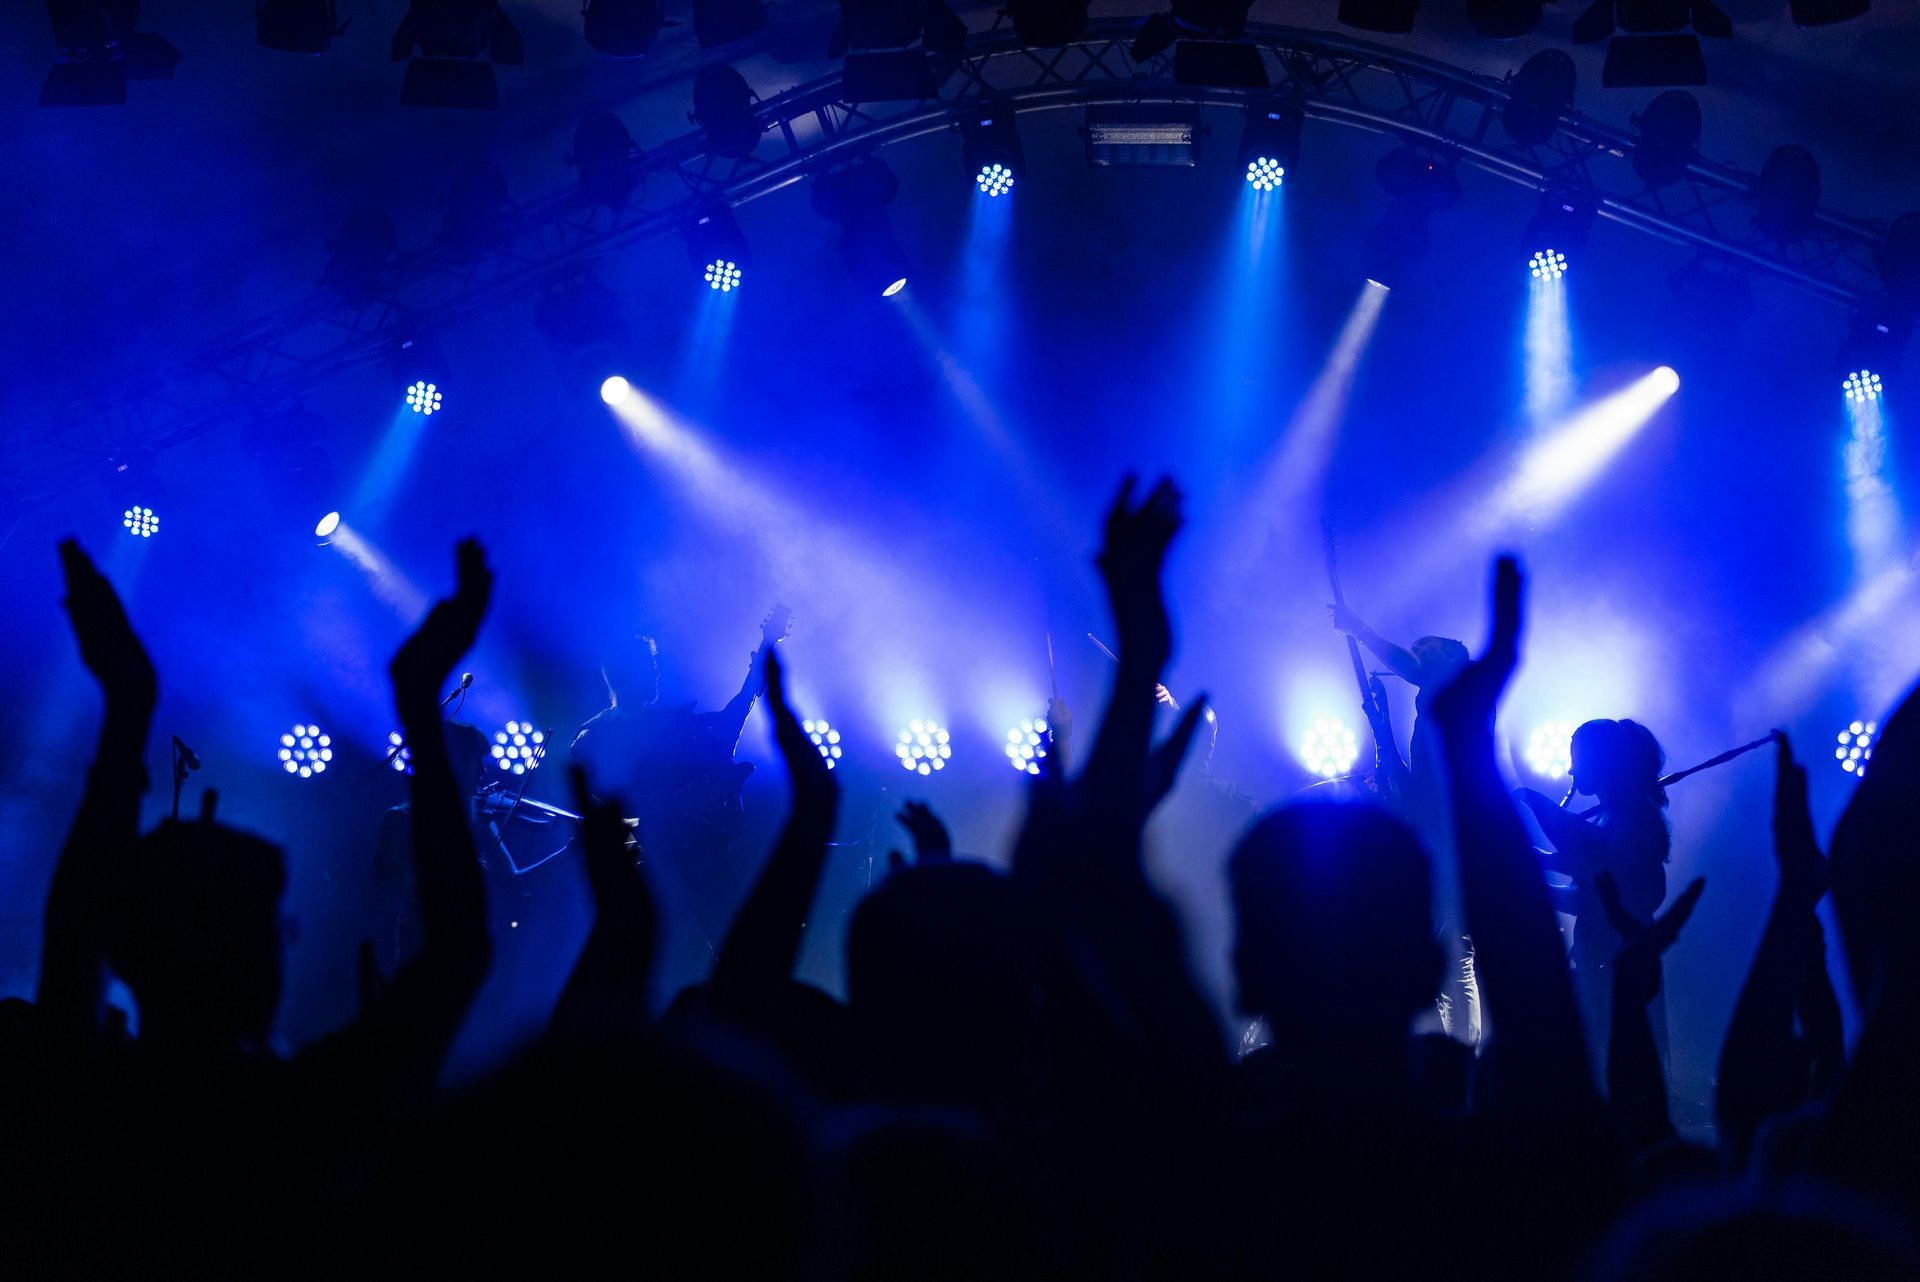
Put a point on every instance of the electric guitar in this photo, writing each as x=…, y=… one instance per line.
x=1390, y=775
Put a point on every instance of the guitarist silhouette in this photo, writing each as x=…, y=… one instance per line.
x=674, y=765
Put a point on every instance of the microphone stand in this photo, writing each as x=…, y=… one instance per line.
x=185, y=762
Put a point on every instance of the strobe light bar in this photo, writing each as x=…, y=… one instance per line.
x=1142, y=134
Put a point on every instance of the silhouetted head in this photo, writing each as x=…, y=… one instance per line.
x=1780, y=1234
x=1618, y=762
x=1440, y=659
x=1876, y=880
x=469, y=753
x=197, y=934
x=939, y=968
x=1333, y=919
x=631, y=670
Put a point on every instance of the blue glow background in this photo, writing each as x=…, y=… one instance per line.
x=951, y=452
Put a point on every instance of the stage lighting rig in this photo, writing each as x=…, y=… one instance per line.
x=924, y=747
x=1861, y=385
x=585, y=326
x=825, y=738
x=603, y=152
x=480, y=212
x=718, y=250
x=856, y=198
x=359, y=256
x=1786, y=195
x=1128, y=133
x=1559, y=229
x=1028, y=744
x=1419, y=178
x=1538, y=94
x=443, y=43
x=723, y=105
x=420, y=373
x=1871, y=353
x=1661, y=44
x=1329, y=749
x=518, y=748
x=140, y=522
x=97, y=50
x=297, y=26
x=990, y=149
x=1666, y=138
x=1048, y=24
x=1270, y=143
x=1550, y=750
x=399, y=755
x=305, y=752
x=1855, y=748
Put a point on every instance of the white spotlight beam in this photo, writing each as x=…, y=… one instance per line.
x=1555, y=470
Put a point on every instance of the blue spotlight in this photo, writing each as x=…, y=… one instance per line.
x=723, y=275
x=994, y=179
x=326, y=525
x=1862, y=385
x=823, y=737
x=1264, y=173
x=899, y=284
x=140, y=522
x=423, y=398
x=615, y=390
x=1027, y=745
x=924, y=747
x=519, y=748
x=399, y=756
x=1548, y=264
x=305, y=752
x=1856, y=747
x=1329, y=749
x=1550, y=750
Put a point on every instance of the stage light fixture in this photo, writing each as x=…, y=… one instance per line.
x=721, y=22
x=358, y=256
x=603, y=152
x=1538, y=94
x=1141, y=133
x=444, y=42
x=1862, y=385
x=1270, y=143
x=326, y=525
x=423, y=398
x=399, y=755
x=1661, y=44
x=297, y=26
x=1028, y=744
x=1329, y=749
x=586, y=329
x=1550, y=750
x=825, y=738
x=924, y=747
x=717, y=249
x=305, y=752
x=723, y=105
x=1824, y=13
x=140, y=522
x=1419, y=178
x=990, y=150
x=1855, y=748
x=97, y=50
x=1666, y=137
x=1786, y=195
x=1048, y=24
x=518, y=748
x=1558, y=229
x=615, y=389
x=856, y=198
x=1547, y=264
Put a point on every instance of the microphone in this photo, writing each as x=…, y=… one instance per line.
x=466, y=683
x=188, y=757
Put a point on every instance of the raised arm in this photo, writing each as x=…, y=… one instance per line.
x=607, y=992
x=405, y=1039
x=757, y=957
x=1636, y=1084
x=1762, y=1063
x=1398, y=658
x=73, y=969
x=1542, y=1071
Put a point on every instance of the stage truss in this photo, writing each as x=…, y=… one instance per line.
x=809, y=129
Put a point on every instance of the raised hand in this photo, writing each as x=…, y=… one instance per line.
x=1803, y=869
x=108, y=646
x=1163, y=766
x=426, y=658
x=1345, y=620
x=1137, y=539
x=932, y=844
x=806, y=768
x=1636, y=976
x=1469, y=700
x=613, y=874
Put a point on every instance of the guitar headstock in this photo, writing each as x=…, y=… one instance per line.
x=776, y=627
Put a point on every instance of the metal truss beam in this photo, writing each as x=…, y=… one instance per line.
x=810, y=129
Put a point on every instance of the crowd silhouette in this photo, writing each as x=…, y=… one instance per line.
x=1024, y=1078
